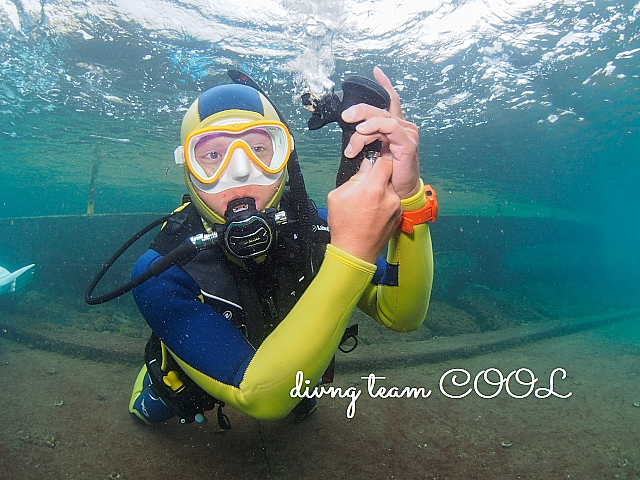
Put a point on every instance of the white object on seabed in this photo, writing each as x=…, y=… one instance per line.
x=9, y=282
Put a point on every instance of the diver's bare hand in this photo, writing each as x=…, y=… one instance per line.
x=364, y=212
x=399, y=137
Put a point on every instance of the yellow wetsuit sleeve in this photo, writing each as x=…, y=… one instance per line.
x=403, y=307
x=305, y=340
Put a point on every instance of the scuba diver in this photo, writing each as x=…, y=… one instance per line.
x=235, y=323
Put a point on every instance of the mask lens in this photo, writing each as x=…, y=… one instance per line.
x=209, y=151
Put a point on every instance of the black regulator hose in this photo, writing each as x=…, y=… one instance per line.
x=247, y=234
x=184, y=252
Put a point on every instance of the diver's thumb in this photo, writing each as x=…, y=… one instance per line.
x=365, y=168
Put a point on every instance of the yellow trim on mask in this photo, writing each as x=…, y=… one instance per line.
x=282, y=146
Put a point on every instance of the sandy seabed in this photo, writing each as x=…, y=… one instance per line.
x=64, y=417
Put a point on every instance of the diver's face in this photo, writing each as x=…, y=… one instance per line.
x=237, y=165
x=262, y=194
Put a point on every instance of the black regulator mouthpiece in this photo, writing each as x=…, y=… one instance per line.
x=355, y=89
x=249, y=233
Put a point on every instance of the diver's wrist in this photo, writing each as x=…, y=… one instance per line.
x=426, y=213
x=415, y=191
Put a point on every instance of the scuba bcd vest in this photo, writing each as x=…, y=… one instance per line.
x=254, y=294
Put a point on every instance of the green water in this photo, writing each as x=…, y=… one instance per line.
x=539, y=124
x=529, y=117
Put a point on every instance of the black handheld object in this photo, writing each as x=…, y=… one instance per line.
x=355, y=90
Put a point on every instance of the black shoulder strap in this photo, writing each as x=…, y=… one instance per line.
x=179, y=226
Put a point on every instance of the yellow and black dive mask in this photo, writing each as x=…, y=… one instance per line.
x=225, y=156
